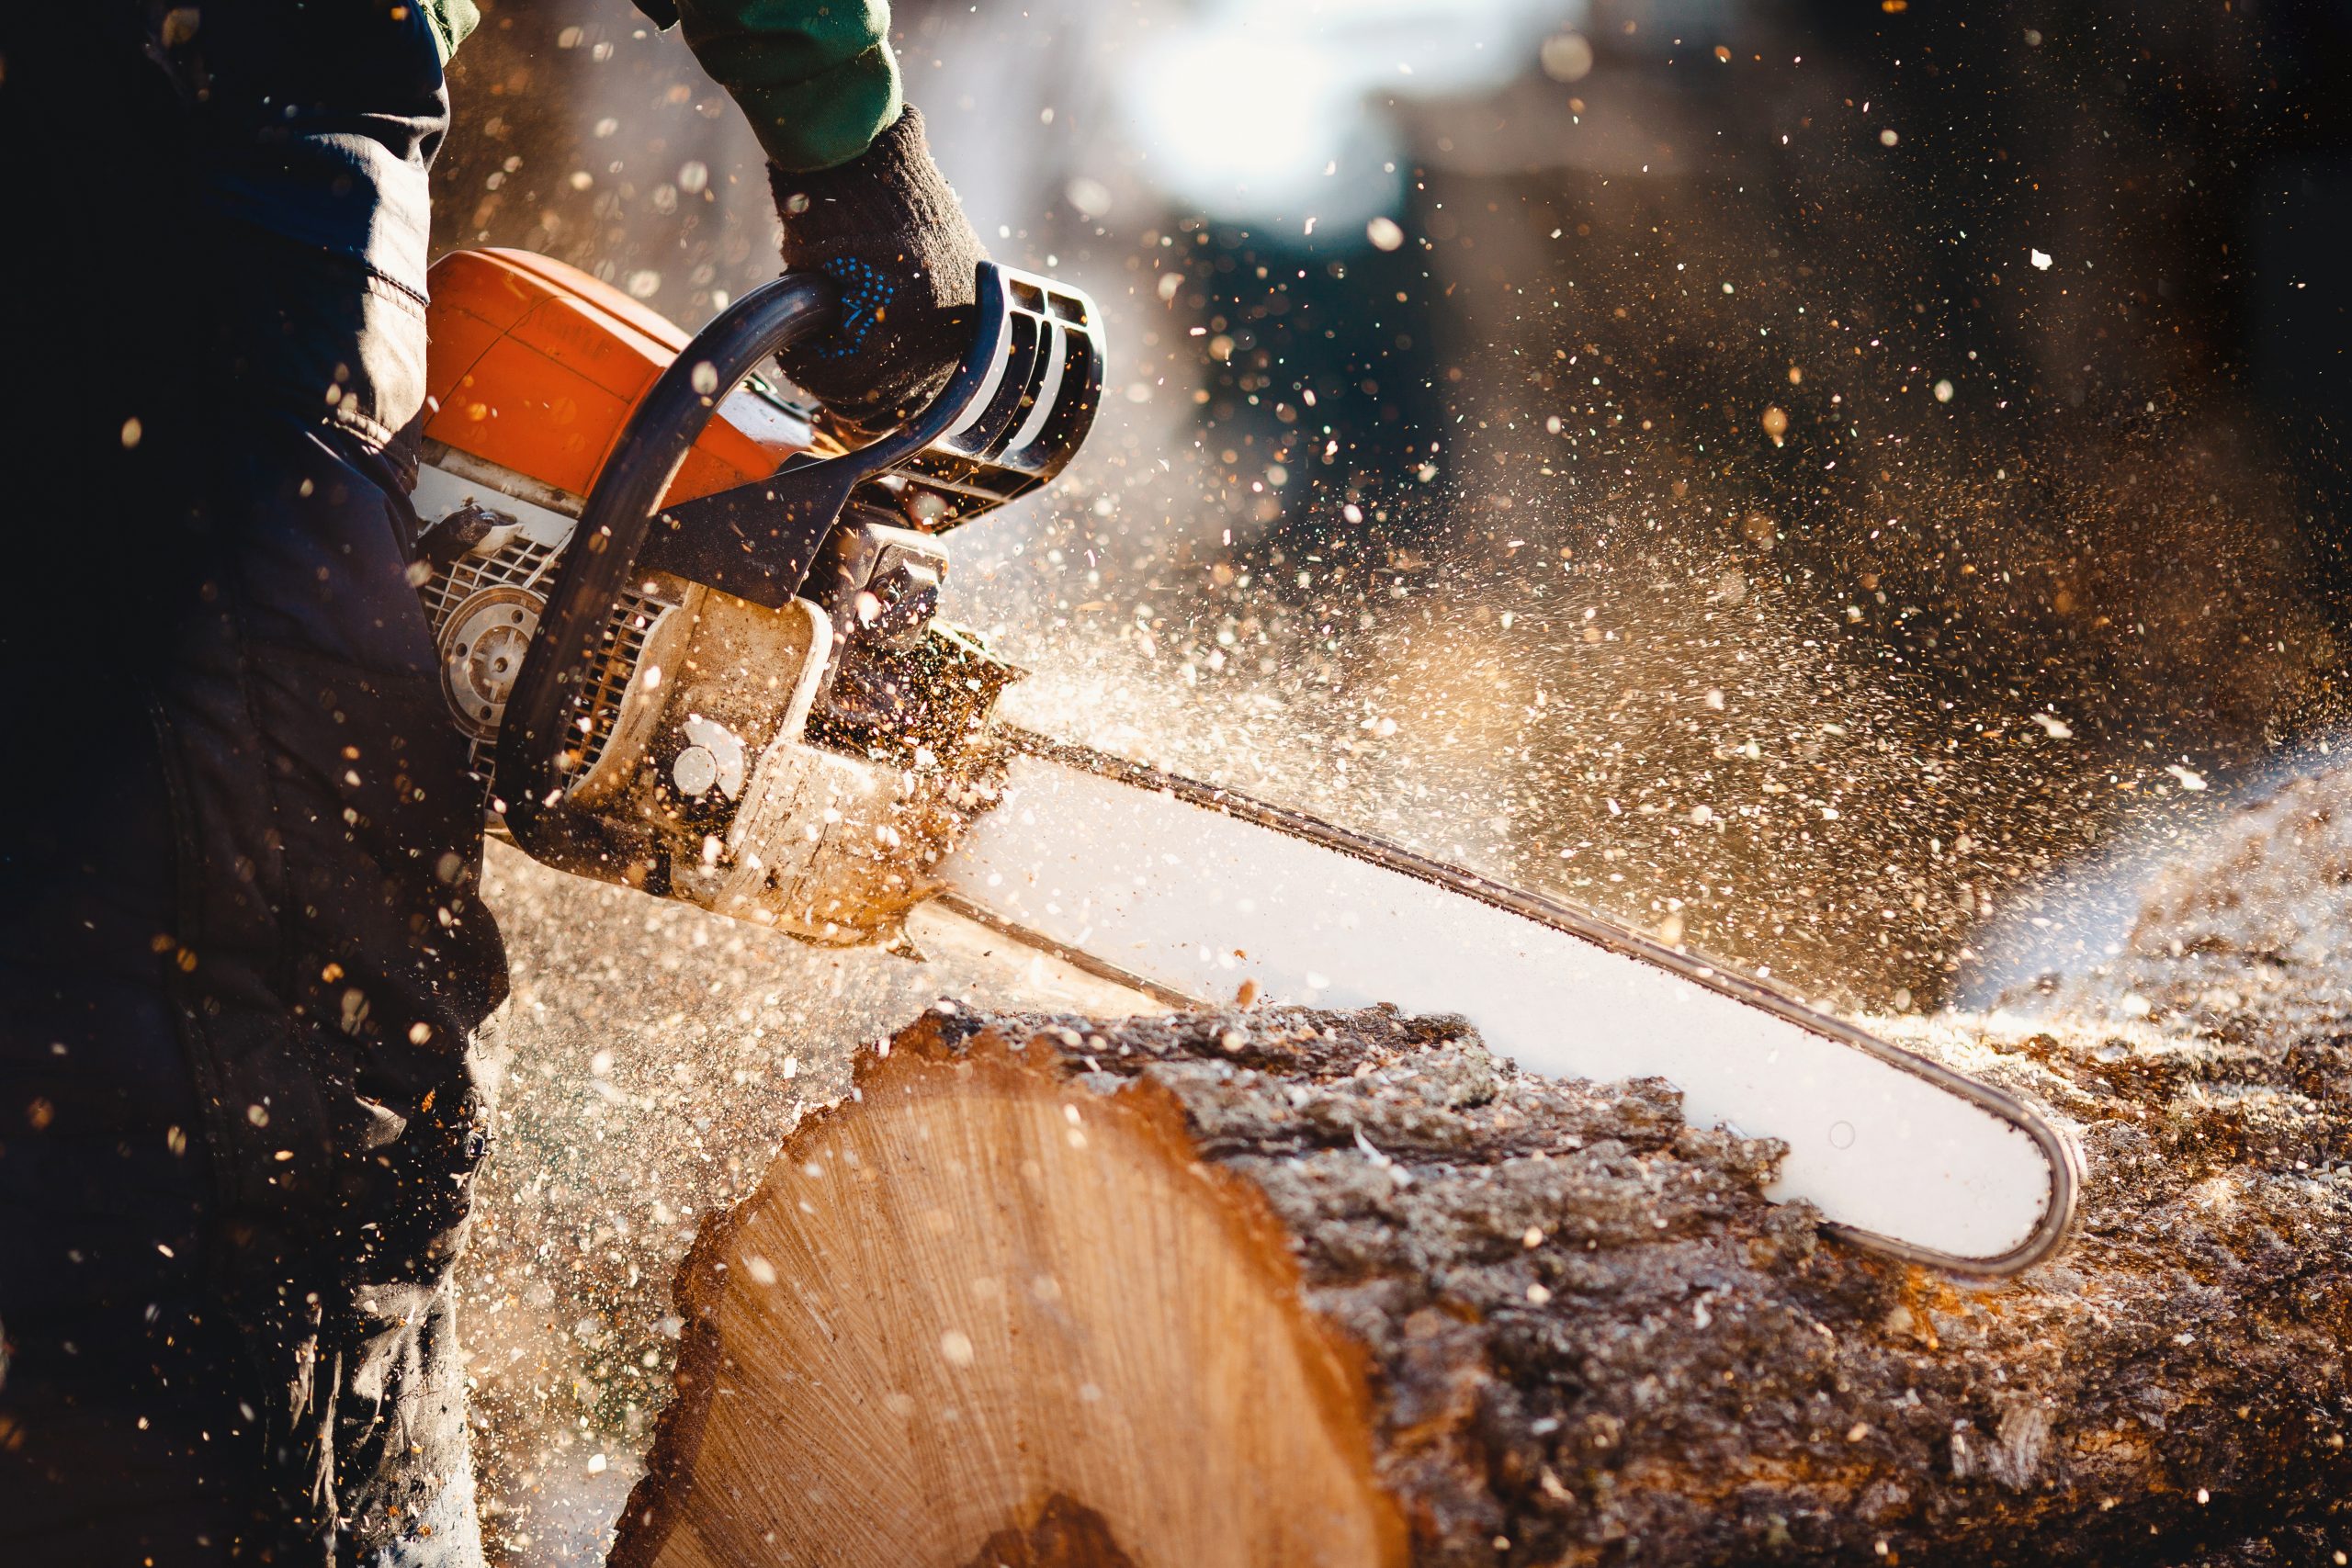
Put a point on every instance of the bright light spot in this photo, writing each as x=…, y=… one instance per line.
x=1566, y=57
x=1943, y=391
x=1383, y=233
x=2040, y=261
x=1241, y=110
x=1887, y=138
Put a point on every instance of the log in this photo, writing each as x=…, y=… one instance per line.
x=1289, y=1287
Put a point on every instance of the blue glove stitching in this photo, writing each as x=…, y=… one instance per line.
x=866, y=290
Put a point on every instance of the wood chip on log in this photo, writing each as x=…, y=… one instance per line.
x=1285, y=1286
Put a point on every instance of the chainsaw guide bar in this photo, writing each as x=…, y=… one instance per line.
x=1186, y=892
x=693, y=702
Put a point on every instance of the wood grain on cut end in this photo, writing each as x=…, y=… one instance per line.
x=986, y=1306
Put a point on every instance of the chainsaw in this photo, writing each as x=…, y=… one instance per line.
x=692, y=631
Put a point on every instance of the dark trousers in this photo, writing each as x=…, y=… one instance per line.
x=241, y=952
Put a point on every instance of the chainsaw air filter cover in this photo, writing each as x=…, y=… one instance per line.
x=644, y=711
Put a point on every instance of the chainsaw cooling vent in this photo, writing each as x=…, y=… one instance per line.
x=484, y=608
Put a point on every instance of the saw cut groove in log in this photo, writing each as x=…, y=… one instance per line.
x=1283, y=1287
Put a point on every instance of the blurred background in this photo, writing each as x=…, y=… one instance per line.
x=1838, y=484
x=1700, y=457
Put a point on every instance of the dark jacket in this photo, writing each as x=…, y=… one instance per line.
x=242, y=957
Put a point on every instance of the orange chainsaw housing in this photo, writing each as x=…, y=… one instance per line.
x=534, y=366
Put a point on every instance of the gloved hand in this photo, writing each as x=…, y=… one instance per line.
x=888, y=227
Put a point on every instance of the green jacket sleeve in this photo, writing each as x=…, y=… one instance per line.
x=452, y=20
x=815, y=77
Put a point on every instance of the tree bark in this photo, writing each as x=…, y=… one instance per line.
x=1282, y=1286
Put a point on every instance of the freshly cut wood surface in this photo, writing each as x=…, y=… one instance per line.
x=989, y=1313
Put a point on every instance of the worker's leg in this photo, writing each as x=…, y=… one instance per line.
x=126, y=1412
x=232, y=1015
x=342, y=963
x=237, y=848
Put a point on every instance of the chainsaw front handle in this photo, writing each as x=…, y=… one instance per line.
x=1012, y=415
x=611, y=533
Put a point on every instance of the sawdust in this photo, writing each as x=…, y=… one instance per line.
x=650, y=1060
x=1607, y=545
x=1546, y=659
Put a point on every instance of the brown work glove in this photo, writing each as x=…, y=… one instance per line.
x=888, y=227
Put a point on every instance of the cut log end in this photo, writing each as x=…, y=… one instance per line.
x=990, y=1314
